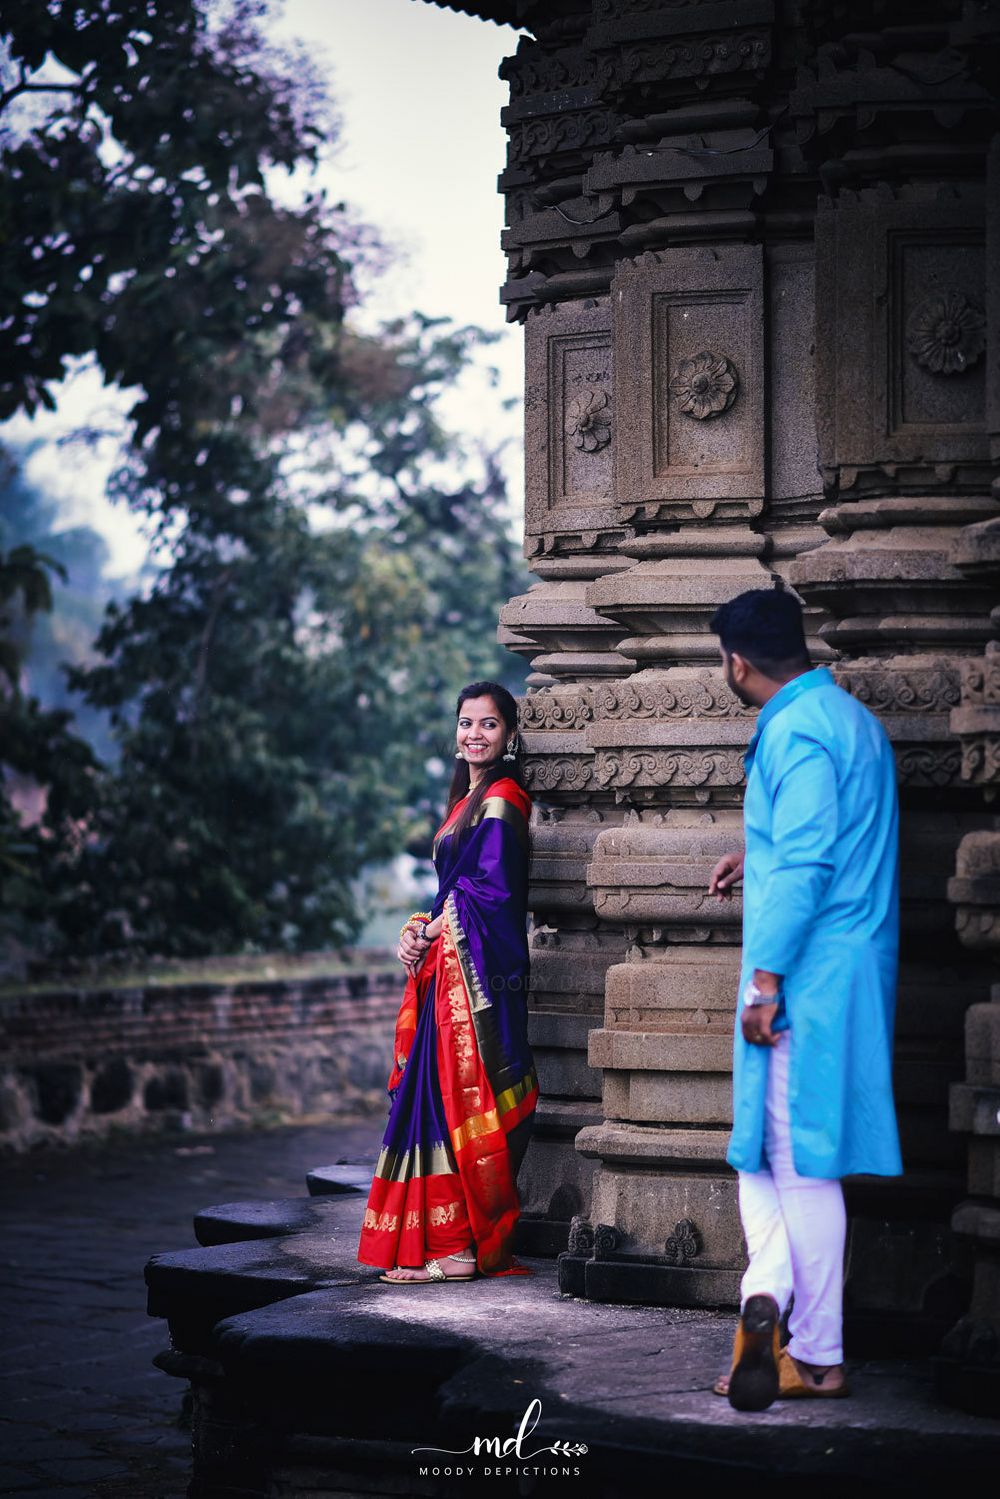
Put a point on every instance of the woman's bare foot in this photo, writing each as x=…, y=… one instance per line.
x=461, y=1266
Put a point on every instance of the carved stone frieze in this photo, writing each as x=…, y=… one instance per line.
x=685, y=1243
x=975, y=888
x=566, y=774
x=903, y=687
x=929, y=767
x=538, y=70
x=697, y=58
x=563, y=708
x=699, y=693
x=652, y=768
x=977, y=720
x=551, y=135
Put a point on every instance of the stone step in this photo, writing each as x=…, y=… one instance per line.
x=194, y=1288
x=234, y=1222
x=372, y=1381
x=327, y=1180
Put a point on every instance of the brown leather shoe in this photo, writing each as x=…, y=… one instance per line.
x=753, y=1380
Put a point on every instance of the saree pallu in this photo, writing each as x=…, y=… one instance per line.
x=463, y=1077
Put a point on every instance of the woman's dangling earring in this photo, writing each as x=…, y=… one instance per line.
x=511, y=751
x=459, y=755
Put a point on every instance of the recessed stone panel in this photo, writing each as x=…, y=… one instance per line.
x=901, y=371
x=689, y=365
x=569, y=420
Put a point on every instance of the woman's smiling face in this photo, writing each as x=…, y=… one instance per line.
x=481, y=732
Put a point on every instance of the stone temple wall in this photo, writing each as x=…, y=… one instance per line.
x=750, y=248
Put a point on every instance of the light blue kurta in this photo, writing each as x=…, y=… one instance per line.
x=821, y=907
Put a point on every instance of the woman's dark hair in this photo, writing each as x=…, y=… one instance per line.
x=507, y=709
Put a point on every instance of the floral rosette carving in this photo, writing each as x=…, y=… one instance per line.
x=946, y=334
x=588, y=420
x=705, y=386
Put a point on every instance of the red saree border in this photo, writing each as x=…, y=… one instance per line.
x=505, y=788
x=406, y=1222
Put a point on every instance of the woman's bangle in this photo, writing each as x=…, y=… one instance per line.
x=423, y=916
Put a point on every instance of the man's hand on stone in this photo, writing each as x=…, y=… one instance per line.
x=725, y=875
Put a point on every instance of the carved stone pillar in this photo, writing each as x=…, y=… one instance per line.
x=689, y=337
x=746, y=244
x=571, y=537
x=648, y=220
x=967, y=1368
x=901, y=335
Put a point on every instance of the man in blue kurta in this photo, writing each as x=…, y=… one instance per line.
x=812, y=1066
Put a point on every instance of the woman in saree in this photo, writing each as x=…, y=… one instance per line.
x=443, y=1200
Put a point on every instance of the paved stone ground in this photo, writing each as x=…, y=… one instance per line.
x=83, y=1412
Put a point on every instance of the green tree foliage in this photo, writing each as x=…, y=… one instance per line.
x=276, y=693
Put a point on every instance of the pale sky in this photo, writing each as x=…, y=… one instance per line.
x=418, y=90
x=421, y=147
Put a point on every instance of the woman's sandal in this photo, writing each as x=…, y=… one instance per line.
x=435, y=1275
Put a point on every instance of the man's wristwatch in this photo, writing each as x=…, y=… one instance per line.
x=754, y=996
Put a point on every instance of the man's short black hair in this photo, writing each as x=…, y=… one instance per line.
x=764, y=625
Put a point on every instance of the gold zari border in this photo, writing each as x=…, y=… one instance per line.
x=395, y=1167
x=477, y=995
x=484, y=1124
x=493, y=806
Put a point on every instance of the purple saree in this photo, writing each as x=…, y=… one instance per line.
x=463, y=1076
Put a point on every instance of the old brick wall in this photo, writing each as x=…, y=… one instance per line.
x=86, y=1062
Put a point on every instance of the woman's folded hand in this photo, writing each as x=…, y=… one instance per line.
x=411, y=947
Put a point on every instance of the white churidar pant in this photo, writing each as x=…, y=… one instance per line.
x=795, y=1228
